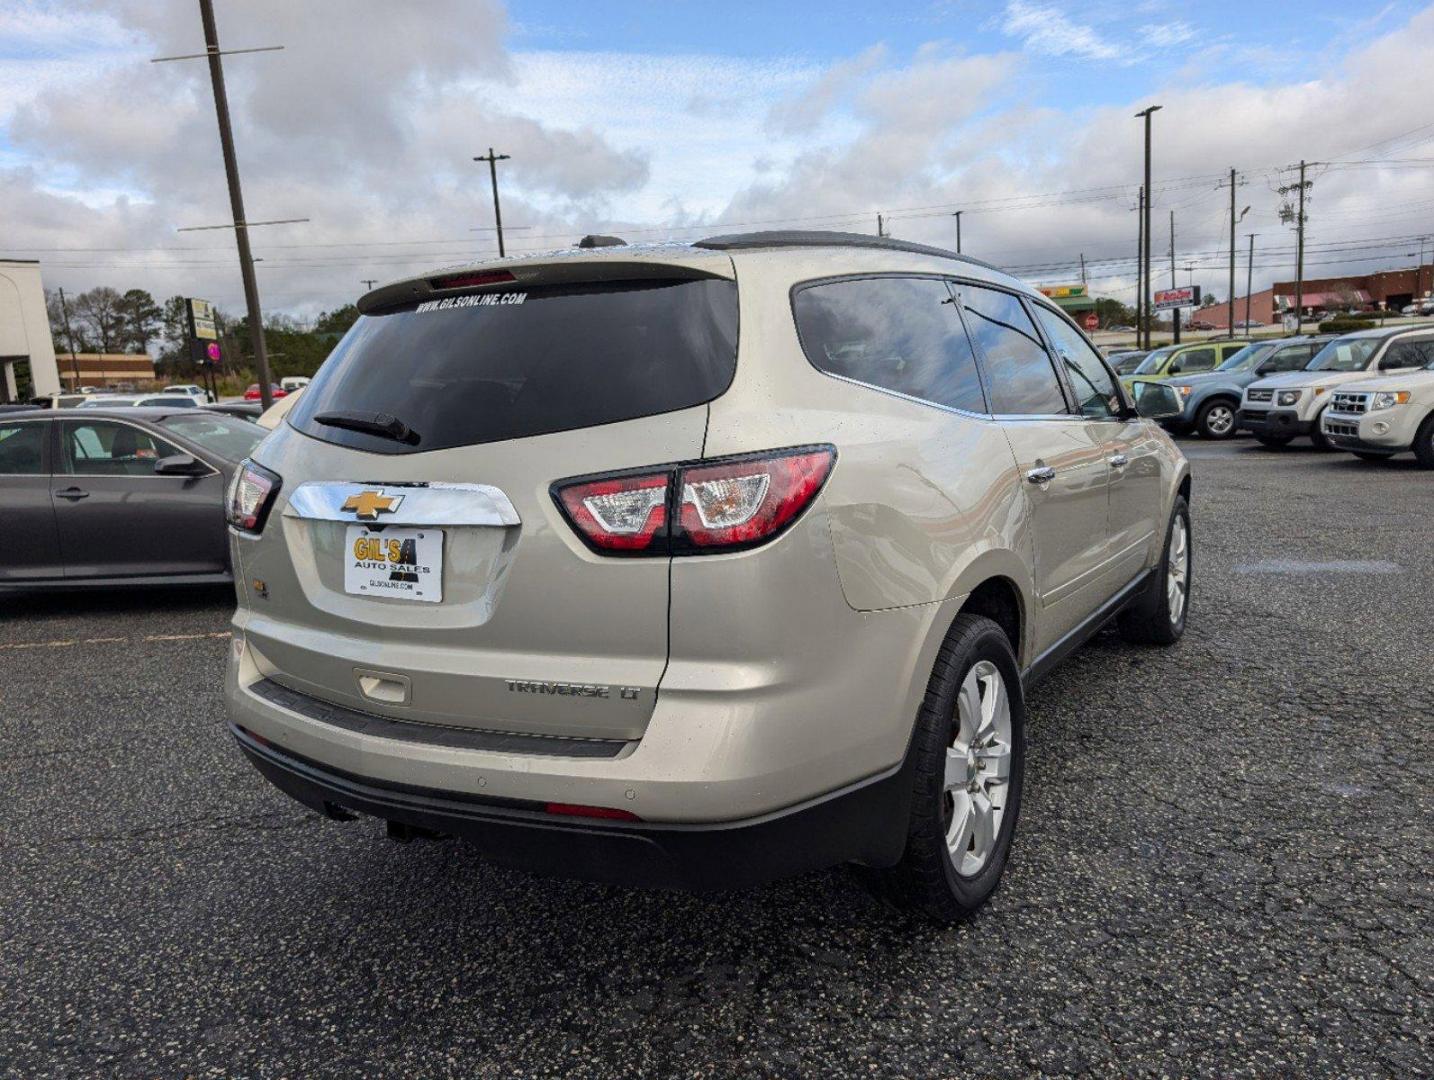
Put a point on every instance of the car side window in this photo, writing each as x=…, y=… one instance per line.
x=110, y=448
x=22, y=449
x=1023, y=381
x=1194, y=360
x=1408, y=354
x=1094, y=388
x=896, y=333
x=1295, y=358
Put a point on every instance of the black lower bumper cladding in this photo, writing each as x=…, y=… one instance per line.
x=865, y=823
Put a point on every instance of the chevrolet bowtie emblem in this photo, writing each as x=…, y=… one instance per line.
x=367, y=505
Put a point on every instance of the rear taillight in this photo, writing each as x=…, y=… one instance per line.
x=701, y=508
x=251, y=493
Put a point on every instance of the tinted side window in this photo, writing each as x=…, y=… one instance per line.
x=22, y=449
x=1094, y=388
x=108, y=448
x=900, y=334
x=1023, y=382
x=1407, y=354
x=1292, y=359
x=1195, y=360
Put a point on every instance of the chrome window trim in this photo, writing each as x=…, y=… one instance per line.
x=213, y=469
x=434, y=504
x=906, y=397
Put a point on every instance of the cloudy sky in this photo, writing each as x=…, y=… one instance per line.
x=675, y=119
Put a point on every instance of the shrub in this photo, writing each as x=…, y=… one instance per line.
x=1345, y=325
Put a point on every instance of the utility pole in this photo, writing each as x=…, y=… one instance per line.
x=1249, y=281
x=1140, y=270
x=957, y=216
x=65, y=314
x=880, y=226
x=492, y=159
x=1298, y=216
x=368, y=283
x=1231, y=319
x=1082, y=268
x=1174, y=312
x=236, y=203
x=1149, y=199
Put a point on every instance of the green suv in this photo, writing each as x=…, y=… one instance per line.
x=1188, y=359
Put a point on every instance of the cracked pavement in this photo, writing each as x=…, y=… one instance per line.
x=1222, y=869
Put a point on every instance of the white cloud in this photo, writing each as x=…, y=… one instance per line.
x=1046, y=29
x=1164, y=35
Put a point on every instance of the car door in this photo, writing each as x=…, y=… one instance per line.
x=117, y=517
x=1132, y=449
x=1060, y=458
x=29, y=543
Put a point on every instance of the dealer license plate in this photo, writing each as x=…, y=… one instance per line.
x=403, y=564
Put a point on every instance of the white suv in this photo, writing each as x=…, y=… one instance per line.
x=1378, y=418
x=1284, y=407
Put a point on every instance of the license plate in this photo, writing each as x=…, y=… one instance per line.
x=404, y=564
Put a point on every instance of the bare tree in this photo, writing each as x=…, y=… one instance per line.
x=101, y=317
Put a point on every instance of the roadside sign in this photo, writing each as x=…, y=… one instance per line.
x=212, y=351
x=1062, y=292
x=1166, y=299
x=201, y=315
x=1090, y=322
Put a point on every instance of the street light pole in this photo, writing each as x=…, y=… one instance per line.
x=1149, y=199
x=957, y=216
x=492, y=159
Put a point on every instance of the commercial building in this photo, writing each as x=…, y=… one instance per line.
x=27, y=355
x=107, y=370
x=1389, y=290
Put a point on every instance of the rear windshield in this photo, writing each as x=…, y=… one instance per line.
x=491, y=366
x=1154, y=362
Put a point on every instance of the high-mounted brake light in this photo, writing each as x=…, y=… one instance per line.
x=704, y=508
x=468, y=281
x=251, y=493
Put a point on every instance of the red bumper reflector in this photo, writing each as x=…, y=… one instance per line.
x=574, y=810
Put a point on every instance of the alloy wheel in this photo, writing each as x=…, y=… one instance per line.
x=1219, y=421
x=1177, y=570
x=978, y=768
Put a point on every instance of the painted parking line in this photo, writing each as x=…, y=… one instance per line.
x=67, y=643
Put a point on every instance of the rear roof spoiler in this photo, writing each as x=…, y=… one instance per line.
x=557, y=269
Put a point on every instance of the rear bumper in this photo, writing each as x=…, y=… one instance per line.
x=1273, y=423
x=864, y=822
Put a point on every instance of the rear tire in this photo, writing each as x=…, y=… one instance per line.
x=1274, y=442
x=1158, y=617
x=1216, y=420
x=1424, y=443
x=970, y=752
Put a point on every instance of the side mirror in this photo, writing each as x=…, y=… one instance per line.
x=1173, y=369
x=180, y=465
x=1156, y=401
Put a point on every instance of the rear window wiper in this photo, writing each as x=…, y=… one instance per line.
x=384, y=425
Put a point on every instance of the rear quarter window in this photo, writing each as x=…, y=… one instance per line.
x=485, y=367
x=895, y=333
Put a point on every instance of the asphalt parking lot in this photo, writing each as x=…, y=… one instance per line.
x=1223, y=866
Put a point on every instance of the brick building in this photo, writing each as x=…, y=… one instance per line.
x=1387, y=289
x=105, y=369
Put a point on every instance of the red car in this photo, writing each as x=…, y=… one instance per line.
x=252, y=394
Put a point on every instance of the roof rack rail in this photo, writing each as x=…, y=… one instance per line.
x=823, y=238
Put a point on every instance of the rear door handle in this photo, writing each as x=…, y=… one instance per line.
x=1042, y=474
x=74, y=494
x=1119, y=461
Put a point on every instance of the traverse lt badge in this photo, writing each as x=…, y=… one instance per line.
x=367, y=505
